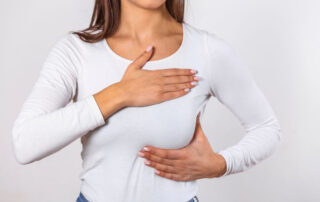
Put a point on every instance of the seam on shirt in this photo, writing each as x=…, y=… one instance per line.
x=208, y=57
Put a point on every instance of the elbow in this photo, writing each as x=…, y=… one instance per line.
x=21, y=153
x=280, y=139
x=20, y=149
x=268, y=137
x=274, y=132
x=277, y=132
x=272, y=126
x=21, y=158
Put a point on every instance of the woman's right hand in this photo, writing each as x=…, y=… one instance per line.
x=146, y=87
x=140, y=87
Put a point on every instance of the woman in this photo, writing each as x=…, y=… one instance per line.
x=137, y=111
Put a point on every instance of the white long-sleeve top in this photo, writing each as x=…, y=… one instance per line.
x=61, y=108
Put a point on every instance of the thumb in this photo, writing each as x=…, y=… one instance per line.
x=197, y=129
x=142, y=58
x=198, y=124
x=198, y=118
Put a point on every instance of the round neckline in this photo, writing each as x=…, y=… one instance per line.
x=151, y=61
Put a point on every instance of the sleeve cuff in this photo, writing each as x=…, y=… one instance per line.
x=227, y=157
x=96, y=111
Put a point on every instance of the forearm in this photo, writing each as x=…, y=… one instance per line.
x=257, y=145
x=37, y=137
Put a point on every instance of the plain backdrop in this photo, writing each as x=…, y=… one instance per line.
x=279, y=40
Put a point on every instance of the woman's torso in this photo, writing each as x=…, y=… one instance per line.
x=111, y=167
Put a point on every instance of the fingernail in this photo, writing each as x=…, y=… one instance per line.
x=186, y=89
x=157, y=172
x=194, y=71
x=147, y=162
x=193, y=83
x=140, y=154
x=148, y=48
x=197, y=78
x=146, y=149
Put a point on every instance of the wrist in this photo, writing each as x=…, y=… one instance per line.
x=120, y=94
x=109, y=100
x=218, y=166
x=222, y=165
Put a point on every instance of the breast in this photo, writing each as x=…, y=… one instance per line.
x=169, y=124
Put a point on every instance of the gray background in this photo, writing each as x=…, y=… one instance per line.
x=280, y=42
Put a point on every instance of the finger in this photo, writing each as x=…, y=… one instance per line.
x=198, y=116
x=142, y=58
x=157, y=159
x=176, y=72
x=197, y=130
x=161, y=167
x=166, y=153
x=177, y=87
x=178, y=79
x=172, y=176
x=174, y=94
x=198, y=124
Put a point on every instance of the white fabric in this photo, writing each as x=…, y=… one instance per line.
x=61, y=108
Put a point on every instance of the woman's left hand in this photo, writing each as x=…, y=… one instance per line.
x=195, y=161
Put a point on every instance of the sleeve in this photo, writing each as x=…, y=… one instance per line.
x=233, y=85
x=45, y=123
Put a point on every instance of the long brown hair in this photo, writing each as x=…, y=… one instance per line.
x=106, y=16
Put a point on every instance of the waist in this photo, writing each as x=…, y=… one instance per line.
x=133, y=182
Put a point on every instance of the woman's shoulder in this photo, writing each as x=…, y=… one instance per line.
x=72, y=47
x=73, y=42
x=221, y=56
x=213, y=43
x=66, y=43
